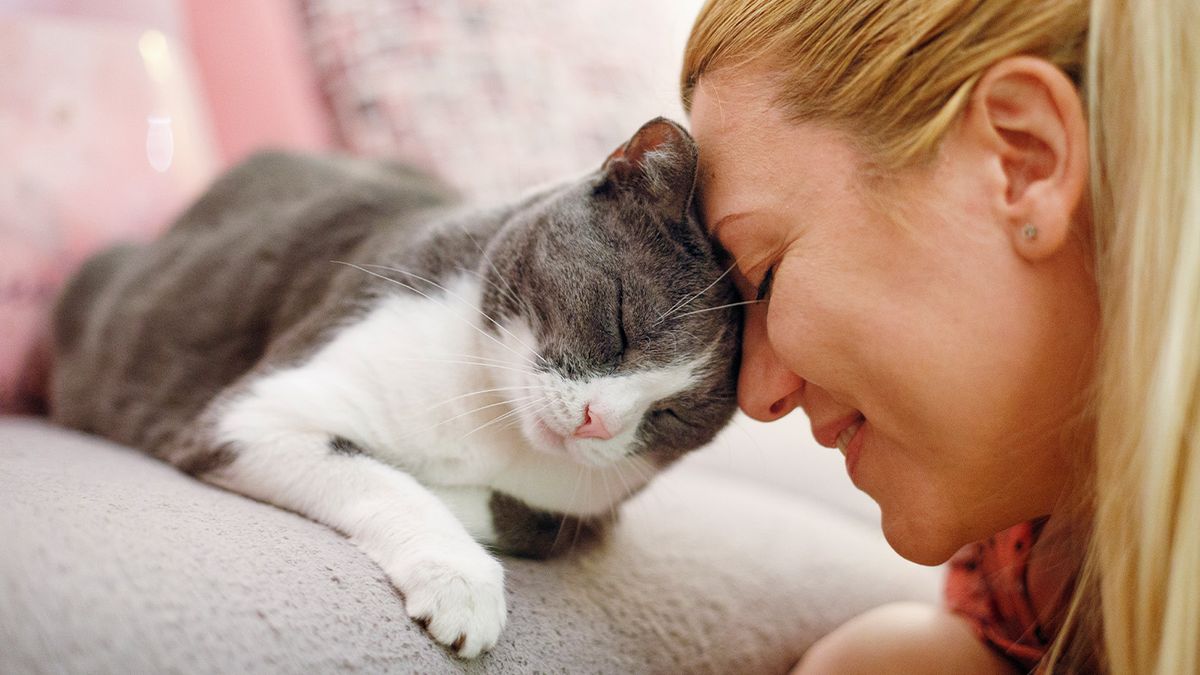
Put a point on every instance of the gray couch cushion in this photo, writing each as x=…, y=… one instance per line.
x=113, y=562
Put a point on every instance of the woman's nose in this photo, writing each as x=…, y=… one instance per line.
x=767, y=389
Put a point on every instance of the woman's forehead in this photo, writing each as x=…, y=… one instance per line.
x=751, y=158
x=725, y=114
x=728, y=144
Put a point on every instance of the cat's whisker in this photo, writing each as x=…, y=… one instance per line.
x=449, y=420
x=713, y=309
x=621, y=477
x=503, y=291
x=492, y=421
x=728, y=454
x=465, y=304
x=758, y=448
x=485, y=360
x=511, y=401
x=483, y=254
x=624, y=484
x=613, y=504
x=647, y=471
x=466, y=359
x=663, y=489
x=515, y=411
x=472, y=357
x=686, y=301
x=607, y=492
x=511, y=424
x=507, y=290
x=464, y=363
x=480, y=393
x=432, y=299
x=588, y=498
x=525, y=408
x=570, y=507
x=477, y=329
x=640, y=465
x=517, y=420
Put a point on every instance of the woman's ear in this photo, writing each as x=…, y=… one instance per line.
x=1028, y=115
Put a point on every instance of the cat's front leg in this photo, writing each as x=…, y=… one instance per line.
x=451, y=585
x=505, y=523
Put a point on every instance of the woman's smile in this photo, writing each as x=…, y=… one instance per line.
x=833, y=434
x=906, y=298
x=844, y=438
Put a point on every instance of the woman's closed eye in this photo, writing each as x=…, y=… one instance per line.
x=764, y=288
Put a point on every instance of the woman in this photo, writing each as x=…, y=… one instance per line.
x=974, y=229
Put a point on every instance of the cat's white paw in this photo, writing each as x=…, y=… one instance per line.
x=459, y=598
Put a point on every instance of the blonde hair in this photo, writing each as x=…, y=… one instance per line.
x=843, y=62
x=898, y=73
x=1144, y=69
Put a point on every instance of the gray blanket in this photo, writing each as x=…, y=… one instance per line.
x=111, y=562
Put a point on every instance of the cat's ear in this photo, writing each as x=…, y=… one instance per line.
x=660, y=162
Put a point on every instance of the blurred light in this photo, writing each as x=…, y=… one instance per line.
x=156, y=55
x=160, y=143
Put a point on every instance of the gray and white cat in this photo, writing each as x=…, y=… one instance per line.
x=339, y=338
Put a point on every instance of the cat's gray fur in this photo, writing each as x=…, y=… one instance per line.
x=149, y=338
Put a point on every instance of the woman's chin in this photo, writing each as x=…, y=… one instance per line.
x=920, y=540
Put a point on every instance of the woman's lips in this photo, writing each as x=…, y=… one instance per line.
x=843, y=438
x=828, y=434
x=846, y=435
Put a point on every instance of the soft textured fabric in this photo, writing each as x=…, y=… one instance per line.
x=497, y=96
x=113, y=562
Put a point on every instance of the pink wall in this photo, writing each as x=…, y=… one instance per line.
x=257, y=77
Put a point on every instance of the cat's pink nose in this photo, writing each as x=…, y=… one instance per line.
x=593, y=425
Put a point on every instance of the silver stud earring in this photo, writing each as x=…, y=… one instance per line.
x=1029, y=232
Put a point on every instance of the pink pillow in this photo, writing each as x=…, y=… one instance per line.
x=497, y=96
x=102, y=140
x=256, y=72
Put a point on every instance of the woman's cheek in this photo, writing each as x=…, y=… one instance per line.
x=805, y=337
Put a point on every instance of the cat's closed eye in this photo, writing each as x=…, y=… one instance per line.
x=666, y=412
x=624, y=336
x=626, y=325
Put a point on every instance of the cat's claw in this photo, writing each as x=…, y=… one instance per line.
x=459, y=600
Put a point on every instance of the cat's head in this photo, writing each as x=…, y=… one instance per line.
x=614, y=309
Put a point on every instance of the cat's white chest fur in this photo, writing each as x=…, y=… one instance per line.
x=423, y=386
x=407, y=381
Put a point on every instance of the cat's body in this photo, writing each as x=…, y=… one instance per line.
x=338, y=338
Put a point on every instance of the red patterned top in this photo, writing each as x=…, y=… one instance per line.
x=988, y=585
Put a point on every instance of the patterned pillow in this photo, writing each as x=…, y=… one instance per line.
x=497, y=96
x=101, y=142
